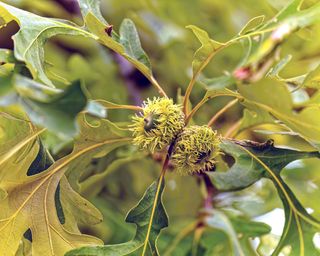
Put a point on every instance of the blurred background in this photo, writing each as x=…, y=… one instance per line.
x=170, y=46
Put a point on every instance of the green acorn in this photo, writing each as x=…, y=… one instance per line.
x=159, y=123
x=195, y=150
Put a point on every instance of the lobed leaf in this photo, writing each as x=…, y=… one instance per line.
x=254, y=161
x=140, y=215
x=261, y=95
x=238, y=231
x=290, y=19
x=91, y=6
x=254, y=117
x=207, y=50
x=31, y=200
x=245, y=171
x=127, y=44
x=129, y=38
x=52, y=108
x=34, y=32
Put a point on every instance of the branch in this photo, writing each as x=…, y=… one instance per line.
x=212, y=191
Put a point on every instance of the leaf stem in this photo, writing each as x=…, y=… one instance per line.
x=188, y=92
x=158, y=86
x=222, y=111
x=195, y=76
x=130, y=107
x=203, y=101
x=110, y=105
x=193, y=81
x=161, y=178
x=203, y=65
x=194, y=110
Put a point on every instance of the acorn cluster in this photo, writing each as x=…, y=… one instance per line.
x=162, y=122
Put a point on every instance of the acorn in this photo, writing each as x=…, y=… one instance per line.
x=195, y=150
x=158, y=124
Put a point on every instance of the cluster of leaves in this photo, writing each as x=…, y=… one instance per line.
x=60, y=139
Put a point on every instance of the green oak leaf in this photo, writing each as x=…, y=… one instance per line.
x=300, y=227
x=95, y=183
x=238, y=231
x=6, y=56
x=34, y=32
x=245, y=171
x=290, y=19
x=52, y=108
x=93, y=7
x=253, y=118
x=207, y=50
x=303, y=176
x=127, y=43
x=261, y=95
x=139, y=215
x=93, y=129
x=254, y=161
x=129, y=38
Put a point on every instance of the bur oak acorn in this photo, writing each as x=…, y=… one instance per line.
x=158, y=124
x=195, y=150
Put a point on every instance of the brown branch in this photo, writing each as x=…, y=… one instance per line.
x=212, y=191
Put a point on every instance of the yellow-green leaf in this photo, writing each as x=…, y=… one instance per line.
x=34, y=32
x=30, y=201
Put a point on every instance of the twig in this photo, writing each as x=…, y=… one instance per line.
x=196, y=75
x=158, y=86
x=211, y=192
x=193, y=111
x=222, y=111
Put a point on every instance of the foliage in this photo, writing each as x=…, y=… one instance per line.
x=81, y=139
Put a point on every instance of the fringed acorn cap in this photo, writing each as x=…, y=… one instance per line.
x=195, y=150
x=159, y=123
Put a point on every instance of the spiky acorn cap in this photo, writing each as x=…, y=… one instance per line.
x=159, y=123
x=195, y=150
